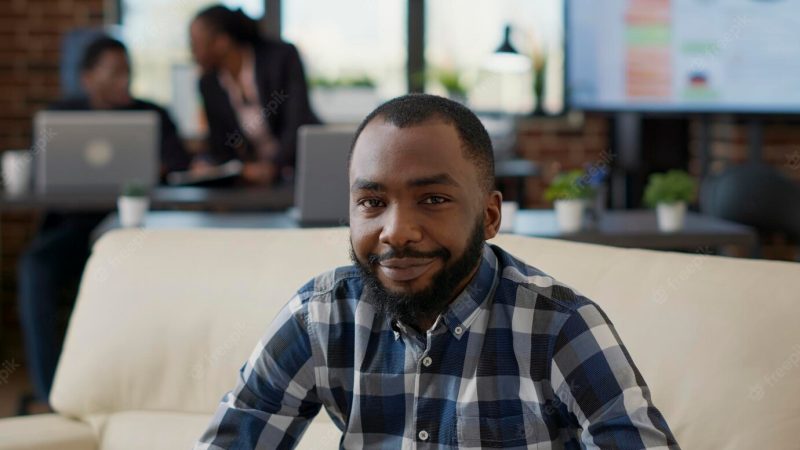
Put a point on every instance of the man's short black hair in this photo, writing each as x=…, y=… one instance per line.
x=414, y=109
x=95, y=50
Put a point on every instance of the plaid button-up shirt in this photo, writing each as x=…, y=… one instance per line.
x=517, y=360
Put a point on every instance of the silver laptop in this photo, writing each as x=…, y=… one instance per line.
x=95, y=151
x=322, y=194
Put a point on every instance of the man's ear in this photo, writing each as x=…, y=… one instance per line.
x=492, y=214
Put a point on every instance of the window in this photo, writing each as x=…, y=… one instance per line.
x=157, y=35
x=461, y=35
x=354, y=52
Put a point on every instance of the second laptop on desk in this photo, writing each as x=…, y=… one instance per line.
x=322, y=193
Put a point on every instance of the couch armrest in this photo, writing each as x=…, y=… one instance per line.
x=45, y=432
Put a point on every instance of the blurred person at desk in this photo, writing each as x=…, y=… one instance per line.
x=51, y=266
x=255, y=94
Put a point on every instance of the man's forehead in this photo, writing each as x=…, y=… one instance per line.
x=409, y=159
x=429, y=139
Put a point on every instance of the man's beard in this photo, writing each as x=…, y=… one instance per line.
x=409, y=307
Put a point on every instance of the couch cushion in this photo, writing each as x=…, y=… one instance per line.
x=715, y=338
x=45, y=432
x=165, y=318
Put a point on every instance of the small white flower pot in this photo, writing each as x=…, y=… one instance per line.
x=132, y=210
x=671, y=216
x=508, y=212
x=569, y=215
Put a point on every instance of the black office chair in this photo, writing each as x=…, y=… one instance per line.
x=757, y=195
x=73, y=44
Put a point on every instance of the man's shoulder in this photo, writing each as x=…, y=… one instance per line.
x=341, y=282
x=139, y=104
x=544, y=291
x=70, y=104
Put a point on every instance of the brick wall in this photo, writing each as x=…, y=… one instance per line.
x=559, y=144
x=730, y=143
x=30, y=39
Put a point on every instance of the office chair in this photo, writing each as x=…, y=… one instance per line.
x=757, y=195
x=73, y=45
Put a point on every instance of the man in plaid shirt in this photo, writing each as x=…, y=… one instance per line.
x=434, y=338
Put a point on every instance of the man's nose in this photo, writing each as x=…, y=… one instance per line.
x=400, y=227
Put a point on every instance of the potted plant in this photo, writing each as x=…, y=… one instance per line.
x=343, y=99
x=133, y=204
x=669, y=193
x=570, y=192
x=451, y=81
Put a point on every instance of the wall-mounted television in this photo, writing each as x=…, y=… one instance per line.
x=740, y=56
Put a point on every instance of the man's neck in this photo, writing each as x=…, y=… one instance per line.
x=423, y=324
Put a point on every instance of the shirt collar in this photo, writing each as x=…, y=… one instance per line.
x=465, y=308
x=462, y=311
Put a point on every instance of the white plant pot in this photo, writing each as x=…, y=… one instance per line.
x=508, y=212
x=569, y=215
x=132, y=210
x=671, y=216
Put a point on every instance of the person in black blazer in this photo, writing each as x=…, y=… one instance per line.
x=254, y=91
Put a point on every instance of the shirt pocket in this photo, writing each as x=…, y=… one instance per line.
x=497, y=432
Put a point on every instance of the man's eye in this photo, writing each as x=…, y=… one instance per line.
x=370, y=203
x=434, y=200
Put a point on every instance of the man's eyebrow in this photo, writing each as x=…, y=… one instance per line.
x=441, y=178
x=361, y=184
x=365, y=185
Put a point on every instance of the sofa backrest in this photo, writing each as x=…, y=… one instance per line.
x=164, y=320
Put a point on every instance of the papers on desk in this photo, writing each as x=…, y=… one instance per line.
x=214, y=174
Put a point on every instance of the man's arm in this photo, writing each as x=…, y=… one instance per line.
x=594, y=376
x=173, y=153
x=275, y=398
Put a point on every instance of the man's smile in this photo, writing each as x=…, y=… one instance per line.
x=405, y=269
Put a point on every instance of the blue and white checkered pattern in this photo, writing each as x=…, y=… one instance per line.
x=518, y=360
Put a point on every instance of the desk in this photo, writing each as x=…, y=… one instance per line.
x=639, y=229
x=232, y=199
x=201, y=219
x=636, y=228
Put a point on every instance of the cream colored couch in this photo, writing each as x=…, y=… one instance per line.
x=165, y=319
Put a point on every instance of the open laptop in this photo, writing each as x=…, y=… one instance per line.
x=322, y=193
x=95, y=151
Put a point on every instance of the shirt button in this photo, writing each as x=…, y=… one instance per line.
x=427, y=361
x=459, y=330
x=423, y=435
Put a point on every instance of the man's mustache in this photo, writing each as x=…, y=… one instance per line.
x=407, y=253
